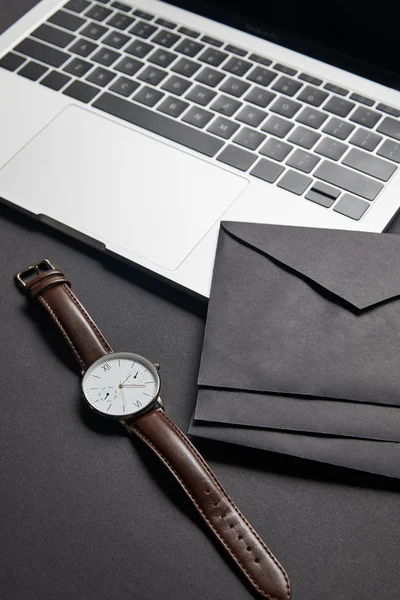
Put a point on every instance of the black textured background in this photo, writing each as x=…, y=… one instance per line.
x=86, y=513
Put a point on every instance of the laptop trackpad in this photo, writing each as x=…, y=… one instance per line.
x=120, y=186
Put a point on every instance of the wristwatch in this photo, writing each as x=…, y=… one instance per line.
x=126, y=386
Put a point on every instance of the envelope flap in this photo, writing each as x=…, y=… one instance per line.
x=361, y=268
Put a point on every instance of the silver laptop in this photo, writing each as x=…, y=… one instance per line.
x=138, y=126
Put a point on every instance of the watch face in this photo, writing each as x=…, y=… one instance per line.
x=121, y=384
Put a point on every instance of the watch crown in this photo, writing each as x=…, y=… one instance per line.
x=157, y=366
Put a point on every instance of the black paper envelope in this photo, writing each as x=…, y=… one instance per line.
x=305, y=313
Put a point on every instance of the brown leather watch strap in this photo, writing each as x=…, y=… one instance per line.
x=224, y=519
x=53, y=290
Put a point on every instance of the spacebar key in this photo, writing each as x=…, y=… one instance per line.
x=152, y=121
x=348, y=180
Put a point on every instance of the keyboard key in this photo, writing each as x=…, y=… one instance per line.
x=389, y=127
x=139, y=49
x=54, y=36
x=287, y=86
x=173, y=106
x=106, y=57
x=98, y=13
x=365, y=139
x=167, y=24
x=348, y=180
x=313, y=96
x=338, y=106
x=32, y=71
x=210, y=40
x=148, y=96
x=143, y=15
x=362, y=99
x=152, y=75
x=189, y=47
x=324, y=190
x=81, y=91
x=304, y=137
x=83, y=47
x=311, y=117
x=120, y=21
x=77, y=6
x=276, y=149
x=188, y=32
x=310, y=79
x=365, y=116
x=371, y=165
x=336, y=89
x=226, y=106
x=297, y=183
x=198, y=117
x=78, y=67
x=331, y=148
x=262, y=76
x=11, y=61
x=260, y=97
x=248, y=138
x=55, y=80
x=176, y=85
x=201, y=95
x=251, y=116
x=338, y=128
x=124, y=86
x=235, y=50
x=285, y=107
x=94, y=31
x=390, y=150
x=223, y=127
x=157, y=123
x=66, y=20
x=212, y=57
x=186, y=67
x=236, y=157
x=235, y=87
x=285, y=69
x=319, y=198
x=166, y=38
x=352, y=207
x=101, y=76
x=143, y=30
x=116, y=40
x=260, y=59
x=267, y=170
x=237, y=66
x=303, y=161
x=162, y=58
x=121, y=6
x=45, y=54
x=277, y=126
x=389, y=110
x=210, y=77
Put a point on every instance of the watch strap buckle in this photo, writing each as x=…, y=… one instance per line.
x=24, y=276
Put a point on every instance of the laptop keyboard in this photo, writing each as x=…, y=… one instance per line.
x=311, y=138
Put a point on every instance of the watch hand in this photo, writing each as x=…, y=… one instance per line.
x=137, y=372
x=123, y=397
x=126, y=379
x=137, y=385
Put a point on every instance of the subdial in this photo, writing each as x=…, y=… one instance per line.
x=107, y=394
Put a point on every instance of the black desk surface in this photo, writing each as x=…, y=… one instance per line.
x=86, y=513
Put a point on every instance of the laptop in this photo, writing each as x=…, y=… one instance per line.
x=138, y=126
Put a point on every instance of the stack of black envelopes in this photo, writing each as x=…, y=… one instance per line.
x=301, y=351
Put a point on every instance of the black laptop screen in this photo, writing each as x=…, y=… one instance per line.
x=359, y=36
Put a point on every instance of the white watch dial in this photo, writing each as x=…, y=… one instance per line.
x=121, y=384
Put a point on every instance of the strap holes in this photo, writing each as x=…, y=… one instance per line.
x=256, y=560
x=207, y=491
x=223, y=516
x=240, y=537
x=231, y=526
x=216, y=503
x=248, y=548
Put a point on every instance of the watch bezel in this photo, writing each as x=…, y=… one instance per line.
x=123, y=354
